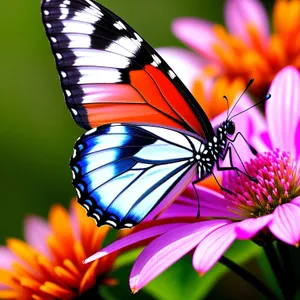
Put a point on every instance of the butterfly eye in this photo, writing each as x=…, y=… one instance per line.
x=230, y=127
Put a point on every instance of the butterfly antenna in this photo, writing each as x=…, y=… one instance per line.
x=247, y=87
x=225, y=97
x=267, y=97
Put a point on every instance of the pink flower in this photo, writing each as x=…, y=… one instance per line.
x=263, y=211
x=247, y=48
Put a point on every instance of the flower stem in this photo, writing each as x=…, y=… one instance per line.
x=278, y=271
x=288, y=265
x=247, y=276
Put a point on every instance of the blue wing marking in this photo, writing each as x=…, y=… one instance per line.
x=123, y=171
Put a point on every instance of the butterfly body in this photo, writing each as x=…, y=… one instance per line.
x=148, y=137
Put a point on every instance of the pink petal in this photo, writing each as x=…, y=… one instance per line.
x=197, y=34
x=212, y=204
x=239, y=14
x=248, y=228
x=213, y=246
x=133, y=239
x=262, y=141
x=297, y=137
x=36, y=231
x=168, y=248
x=283, y=110
x=286, y=223
x=296, y=201
x=185, y=63
x=6, y=258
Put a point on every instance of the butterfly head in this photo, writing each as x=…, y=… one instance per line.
x=229, y=127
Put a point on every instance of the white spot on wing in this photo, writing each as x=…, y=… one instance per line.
x=74, y=111
x=171, y=74
x=99, y=75
x=78, y=193
x=53, y=39
x=71, y=26
x=92, y=57
x=138, y=37
x=131, y=45
x=128, y=225
x=46, y=12
x=68, y=93
x=59, y=56
x=79, y=41
x=48, y=25
x=112, y=223
x=91, y=131
x=156, y=60
x=119, y=25
x=92, y=4
x=96, y=216
x=63, y=74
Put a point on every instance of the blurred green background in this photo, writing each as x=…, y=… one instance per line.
x=37, y=132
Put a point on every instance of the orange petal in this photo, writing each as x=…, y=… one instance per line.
x=9, y=294
x=66, y=277
x=71, y=267
x=89, y=279
x=86, y=225
x=6, y=278
x=23, y=250
x=37, y=297
x=30, y=283
x=80, y=255
x=61, y=225
x=97, y=239
x=57, y=291
x=46, y=267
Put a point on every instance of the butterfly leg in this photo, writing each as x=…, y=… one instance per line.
x=198, y=200
x=222, y=188
x=252, y=149
x=232, y=167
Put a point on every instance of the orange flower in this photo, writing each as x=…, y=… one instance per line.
x=49, y=264
x=247, y=49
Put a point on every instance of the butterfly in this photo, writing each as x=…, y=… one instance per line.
x=147, y=136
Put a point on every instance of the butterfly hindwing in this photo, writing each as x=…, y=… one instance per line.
x=123, y=171
x=110, y=74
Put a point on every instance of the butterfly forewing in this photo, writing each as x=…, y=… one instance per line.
x=123, y=171
x=110, y=74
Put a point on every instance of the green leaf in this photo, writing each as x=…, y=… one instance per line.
x=268, y=275
x=127, y=258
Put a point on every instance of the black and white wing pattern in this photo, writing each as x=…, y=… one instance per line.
x=122, y=172
x=110, y=74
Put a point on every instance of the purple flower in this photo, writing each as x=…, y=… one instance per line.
x=263, y=211
x=246, y=48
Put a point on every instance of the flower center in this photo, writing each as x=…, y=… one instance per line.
x=278, y=183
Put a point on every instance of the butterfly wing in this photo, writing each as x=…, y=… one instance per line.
x=110, y=74
x=122, y=172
